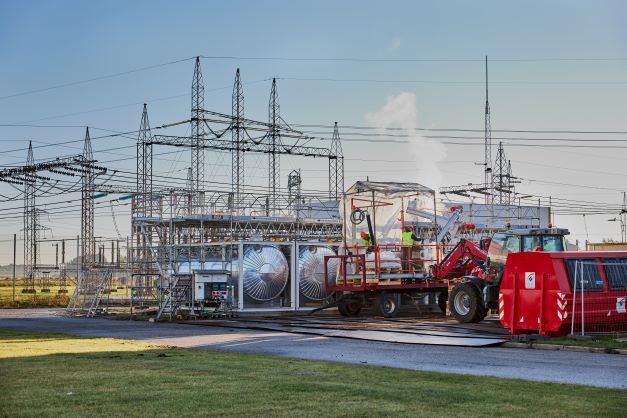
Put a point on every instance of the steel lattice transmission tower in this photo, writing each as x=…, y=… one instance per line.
x=197, y=135
x=510, y=184
x=336, y=166
x=144, y=167
x=487, y=161
x=274, y=166
x=88, y=242
x=144, y=201
x=30, y=223
x=500, y=178
x=237, y=137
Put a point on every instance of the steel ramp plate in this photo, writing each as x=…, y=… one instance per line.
x=465, y=338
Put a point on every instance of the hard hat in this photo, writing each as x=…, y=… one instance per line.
x=363, y=234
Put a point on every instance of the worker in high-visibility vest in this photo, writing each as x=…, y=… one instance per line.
x=408, y=241
x=365, y=241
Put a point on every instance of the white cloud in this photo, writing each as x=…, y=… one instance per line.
x=401, y=112
x=396, y=43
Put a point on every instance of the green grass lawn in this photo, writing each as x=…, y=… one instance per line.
x=61, y=375
x=607, y=342
x=37, y=300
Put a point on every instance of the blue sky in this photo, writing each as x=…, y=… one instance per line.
x=49, y=43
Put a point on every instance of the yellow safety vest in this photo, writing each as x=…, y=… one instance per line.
x=407, y=238
x=365, y=242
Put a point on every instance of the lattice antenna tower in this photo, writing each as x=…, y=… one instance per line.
x=237, y=137
x=487, y=161
x=144, y=167
x=30, y=224
x=197, y=135
x=274, y=167
x=336, y=166
x=500, y=179
x=88, y=242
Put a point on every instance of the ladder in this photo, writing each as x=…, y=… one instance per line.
x=179, y=292
x=88, y=292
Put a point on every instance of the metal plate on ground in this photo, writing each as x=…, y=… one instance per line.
x=373, y=329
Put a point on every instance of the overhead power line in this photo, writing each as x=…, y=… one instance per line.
x=89, y=80
x=387, y=128
x=453, y=82
x=365, y=59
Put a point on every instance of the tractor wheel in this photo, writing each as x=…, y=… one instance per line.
x=387, y=304
x=466, y=304
x=342, y=310
x=350, y=308
x=443, y=301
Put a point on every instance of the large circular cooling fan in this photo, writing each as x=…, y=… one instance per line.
x=265, y=272
x=311, y=271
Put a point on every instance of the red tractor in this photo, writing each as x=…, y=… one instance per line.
x=479, y=270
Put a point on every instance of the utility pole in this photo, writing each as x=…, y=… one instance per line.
x=56, y=257
x=623, y=215
x=14, y=257
x=487, y=158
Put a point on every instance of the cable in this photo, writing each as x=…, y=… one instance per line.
x=387, y=128
x=89, y=80
x=451, y=82
x=356, y=59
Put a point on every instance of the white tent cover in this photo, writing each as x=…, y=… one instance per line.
x=389, y=199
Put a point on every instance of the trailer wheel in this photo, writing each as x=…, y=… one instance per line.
x=350, y=308
x=466, y=304
x=443, y=301
x=387, y=304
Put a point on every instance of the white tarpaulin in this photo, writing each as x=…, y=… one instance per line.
x=383, y=201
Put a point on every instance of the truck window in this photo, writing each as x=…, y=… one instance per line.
x=512, y=244
x=497, y=251
x=616, y=272
x=531, y=243
x=553, y=243
x=586, y=269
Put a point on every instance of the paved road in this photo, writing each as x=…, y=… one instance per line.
x=604, y=370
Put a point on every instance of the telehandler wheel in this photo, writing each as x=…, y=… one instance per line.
x=350, y=308
x=443, y=301
x=387, y=304
x=466, y=303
